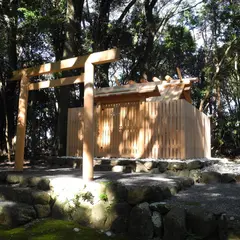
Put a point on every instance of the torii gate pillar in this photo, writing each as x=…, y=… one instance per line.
x=88, y=122
x=88, y=62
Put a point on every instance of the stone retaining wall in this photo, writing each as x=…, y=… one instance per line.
x=135, y=212
x=138, y=211
x=188, y=168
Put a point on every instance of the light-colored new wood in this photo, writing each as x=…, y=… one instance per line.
x=21, y=122
x=157, y=80
x=165, y=129
x=131, y=82
x=57, y=83
x=88, y=122
x=187, y=95
x=143, y=80
x=87, y=62
x=168, y=78
x=68, y=64
x=179, y=74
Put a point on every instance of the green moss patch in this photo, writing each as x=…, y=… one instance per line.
x=234, y=236
x=53, y=230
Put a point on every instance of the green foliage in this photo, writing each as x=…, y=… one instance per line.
x=86, y=196
x=154, y=39
x=53, y=229
x=103, y=197
x=28, y=14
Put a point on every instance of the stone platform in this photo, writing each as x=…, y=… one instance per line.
x=200, y=170
x=146, y=202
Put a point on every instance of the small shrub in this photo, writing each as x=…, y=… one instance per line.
x=87, y=196
x=103, y=197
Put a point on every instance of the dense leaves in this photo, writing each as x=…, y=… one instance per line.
x=155, y=37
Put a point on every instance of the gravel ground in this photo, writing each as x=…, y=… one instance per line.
x=224, y=166
x=215, y=198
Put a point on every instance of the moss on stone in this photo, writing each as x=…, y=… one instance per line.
x=54, y=230
x=234, y=236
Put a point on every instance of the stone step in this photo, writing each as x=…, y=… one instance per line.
x=25, y=195
x=103, y=168
x=14, y=214
x=12, y=178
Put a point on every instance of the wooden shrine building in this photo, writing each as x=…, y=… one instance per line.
x=144, y=120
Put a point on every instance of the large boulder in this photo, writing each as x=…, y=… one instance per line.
x=154, y=171
x=61, y=210
x=210, y=177
x=14, y=178
x=33, y=181
x=137, y=194
x=3, y=177
x=16, y=214
x=44, y=184
x=121, y=169
x=116, y=192
x=187, y=182
x=157, y=224
x=81, y=215
x=196, y=164
x=201, y=222
x=176, y=166
x=140, y=222
x=140, y=167
x=99, y=215
x=150, y=165
x=175, y=225
x=161, y=207
x=183, y=173
x=22, y=195
x=195, y=174
x=42, y=211
x=120, y=224
x=162, y=166
x=41, y=197
x=228, y=178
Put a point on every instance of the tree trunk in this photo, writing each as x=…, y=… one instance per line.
x=70, y=49
x=10, y=89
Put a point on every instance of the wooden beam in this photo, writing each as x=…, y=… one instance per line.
x=168, y=78
x=131, y=82
x=88, y=123
x=179, y=74
x=157, y=80
x=143, y=80
x=68, y=64
x=57, y=83
x=116, y=81
x=187, y=96
x=21, y=122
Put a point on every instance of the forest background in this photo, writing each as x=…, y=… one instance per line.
x=154, y=36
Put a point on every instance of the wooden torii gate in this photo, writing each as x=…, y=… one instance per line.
x=88, y=62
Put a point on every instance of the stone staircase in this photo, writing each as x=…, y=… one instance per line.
x=23, y=199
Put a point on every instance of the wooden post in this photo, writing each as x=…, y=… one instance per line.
x=179, y=74
x=88, y=123
x=87, y=62
x=21, y=122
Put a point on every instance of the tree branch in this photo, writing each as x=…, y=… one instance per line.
x=126, y=10
x=218, y=66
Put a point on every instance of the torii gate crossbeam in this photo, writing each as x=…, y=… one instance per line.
x=88, y=63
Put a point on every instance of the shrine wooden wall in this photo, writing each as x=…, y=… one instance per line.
x=164, y=129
